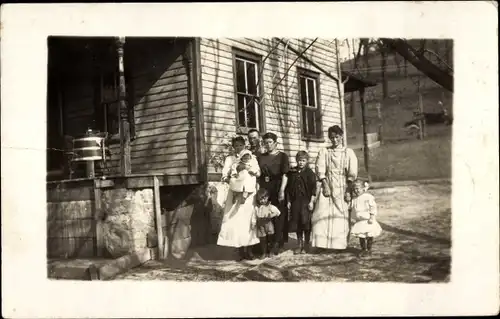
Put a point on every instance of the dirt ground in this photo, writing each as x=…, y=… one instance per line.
x=413, y=248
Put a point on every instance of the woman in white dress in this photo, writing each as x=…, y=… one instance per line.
x=236, y=229
x=336, y=168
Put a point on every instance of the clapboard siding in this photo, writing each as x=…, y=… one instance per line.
x=160, y=84
x=282, y=110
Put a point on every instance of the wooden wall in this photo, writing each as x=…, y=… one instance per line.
x=158, y=84
x=70, y=221
x=282, y=110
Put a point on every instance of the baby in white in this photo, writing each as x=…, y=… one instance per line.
x=241, y=181
x=364, y=212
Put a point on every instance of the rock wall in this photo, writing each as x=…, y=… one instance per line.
x=192, y=216
x=128, y=219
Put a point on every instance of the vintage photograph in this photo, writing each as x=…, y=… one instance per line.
x=249, y=159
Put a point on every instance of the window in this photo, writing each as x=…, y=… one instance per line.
x=108, y=104
x=310, y=104
x=247, y=92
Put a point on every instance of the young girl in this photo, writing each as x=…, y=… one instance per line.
x=364, y=210
x=264, y=212
x=301, y=194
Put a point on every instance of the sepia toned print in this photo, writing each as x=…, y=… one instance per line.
x=141, y=132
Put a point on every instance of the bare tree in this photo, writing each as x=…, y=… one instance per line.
x=417, y=58
x=383, y=66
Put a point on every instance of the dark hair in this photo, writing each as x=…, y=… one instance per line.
x=302, y=154
x=246, y=156
x=252, y=130
x=335, y=129
x=359, y=181
x=261, y=193
x=271, y=136
x=237, y=139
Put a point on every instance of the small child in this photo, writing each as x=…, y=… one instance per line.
x=264, y=213
x=364, y=210
x=301, y=194
x=241, y=181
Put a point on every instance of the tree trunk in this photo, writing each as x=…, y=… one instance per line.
x=406, y=67
x=383, y=65
x=353, y=105
x=396, y=60
x=441, y=77
x=367, y=61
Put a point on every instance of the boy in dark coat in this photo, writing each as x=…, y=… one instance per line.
x=301, y=194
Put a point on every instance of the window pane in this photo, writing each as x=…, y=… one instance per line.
x=112, y=116
x=311, y=127
x=241, y=110
x=304, y=120
x=251, y=116
x=312, y=92
x=303, y=99
x=240, y=76
x=252, y=80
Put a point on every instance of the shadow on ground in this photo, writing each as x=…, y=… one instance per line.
x=414, y=247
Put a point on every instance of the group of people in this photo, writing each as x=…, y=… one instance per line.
x=267, y=199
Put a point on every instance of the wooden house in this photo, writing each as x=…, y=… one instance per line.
x=167, y=105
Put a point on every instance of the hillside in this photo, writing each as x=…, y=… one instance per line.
x=402, y=98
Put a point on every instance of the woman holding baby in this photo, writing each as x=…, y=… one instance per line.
x=240, y=171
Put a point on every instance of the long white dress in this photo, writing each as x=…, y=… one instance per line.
x=236, y=229
x=330, y=218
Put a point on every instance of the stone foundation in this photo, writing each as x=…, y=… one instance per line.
x=128, y=219
x=122, y=220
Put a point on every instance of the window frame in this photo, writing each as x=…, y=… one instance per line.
x=319, y=135
x=239, y=54
x=101, y=109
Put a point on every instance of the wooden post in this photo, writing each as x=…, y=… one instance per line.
x=98, y=220
x=90, y=169
x=365, y=137
x=192, y=149
x=159, y=225
x=421, y=111
x=341, y=94
x=422, y=120
x=125, y=164
x=379, y=115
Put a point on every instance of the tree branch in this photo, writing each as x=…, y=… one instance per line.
x=291, y=65
x=261, y=97
x=442, y=77
x=439, y=58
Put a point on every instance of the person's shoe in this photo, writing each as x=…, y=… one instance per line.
x=363, y=253
x=241, y=254
x=299, y=249
x=250, y=256
x=307, y=248
x=276, y=249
